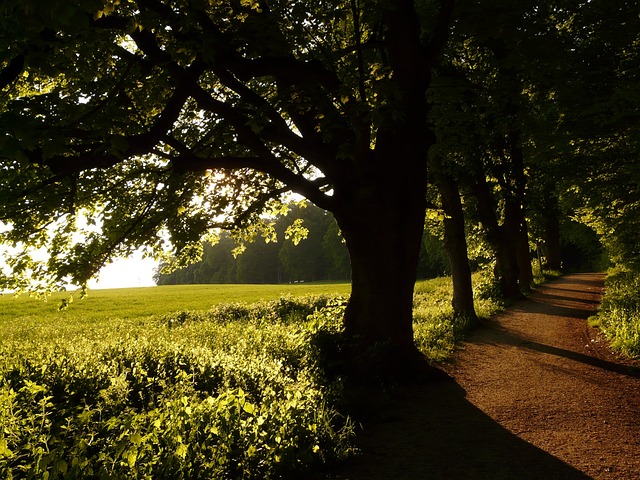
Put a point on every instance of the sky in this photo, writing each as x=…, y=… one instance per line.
x=134, y=271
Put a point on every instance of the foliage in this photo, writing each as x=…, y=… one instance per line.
x=619, y=315
x=557, y=83
x=221, y=109
x=601, y=97
x=582, y=249
x=239, y=397
x=321, y=255
x=433, y=261
x=437, y=331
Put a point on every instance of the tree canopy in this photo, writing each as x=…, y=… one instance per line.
x=149, y=124
x=183, y=116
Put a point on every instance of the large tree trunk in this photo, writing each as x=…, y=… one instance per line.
x=382, y=219
x=455, y=243
x=507, y=270
x=384, y=250
x=500, y=239
x=552, y=235
x=383, y=234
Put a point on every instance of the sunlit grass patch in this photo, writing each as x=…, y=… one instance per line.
x=137, y=398
x=619, y=315
x=437, y=332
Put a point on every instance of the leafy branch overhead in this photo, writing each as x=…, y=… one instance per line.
x=280, y=96
x=133, y=124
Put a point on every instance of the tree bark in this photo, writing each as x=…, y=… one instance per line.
x=383, y=235
x=517, y=235
x=381, y=216
x=500, y=240
x=552, y=235
x=507, y=270
x=455, y=243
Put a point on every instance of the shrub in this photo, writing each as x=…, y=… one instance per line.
x=206, y=399
x=619, y=315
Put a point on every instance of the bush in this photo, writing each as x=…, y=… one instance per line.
x=286, y=309
x=207, y=399
x=619, y=315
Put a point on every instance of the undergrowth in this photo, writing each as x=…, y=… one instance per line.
x=211, y=399
x=619, y=315
x=436, y=330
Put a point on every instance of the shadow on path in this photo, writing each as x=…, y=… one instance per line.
x=434, y=432
x=503, y=337
x=574, y=309
x=549, y=296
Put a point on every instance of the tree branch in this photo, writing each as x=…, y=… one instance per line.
x=442, y=29
x=12, y=71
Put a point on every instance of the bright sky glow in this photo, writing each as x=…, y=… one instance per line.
x=134, y=271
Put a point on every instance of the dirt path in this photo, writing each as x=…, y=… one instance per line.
x=537, y=395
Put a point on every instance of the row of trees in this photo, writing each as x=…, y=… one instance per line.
x=319, y=254
x=127, y=123
x=545, y=133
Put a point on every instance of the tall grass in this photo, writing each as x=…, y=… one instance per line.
x=185, y=395
x=619, y=315
x=436, y=331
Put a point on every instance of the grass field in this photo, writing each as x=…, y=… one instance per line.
x=144, y=302
x=197, y=381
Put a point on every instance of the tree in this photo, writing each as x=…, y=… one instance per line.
x=258, y=263
x=601, y=126
x=304, y=258
x=157, y=121
x=336, y=254
x=455, y=242
x=308, y=248
x=496, y=122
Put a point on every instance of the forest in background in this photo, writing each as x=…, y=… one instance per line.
x=321, y=255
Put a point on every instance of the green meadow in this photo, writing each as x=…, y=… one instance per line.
x=196, y=381
x=147, y=301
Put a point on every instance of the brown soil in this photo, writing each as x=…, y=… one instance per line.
x=537, y=394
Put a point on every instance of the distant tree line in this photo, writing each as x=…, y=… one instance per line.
x=321, y=256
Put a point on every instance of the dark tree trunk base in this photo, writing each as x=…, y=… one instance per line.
x=388, y=364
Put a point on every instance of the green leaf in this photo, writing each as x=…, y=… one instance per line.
x=249, y=408
x=4, y=449
x=131, y=456
x=181, y=450
x=62, y=467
